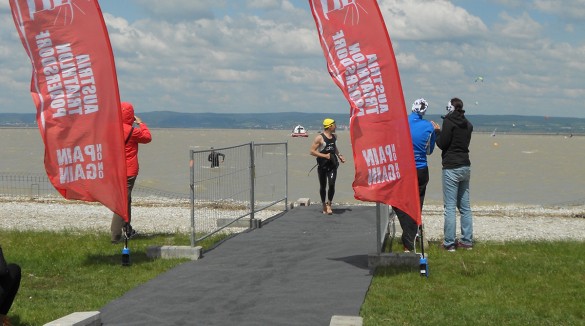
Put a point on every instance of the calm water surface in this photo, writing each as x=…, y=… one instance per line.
x=530, y=169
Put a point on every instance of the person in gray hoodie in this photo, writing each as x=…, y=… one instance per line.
x=454, y=139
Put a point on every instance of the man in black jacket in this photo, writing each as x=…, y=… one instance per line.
x=454, y=139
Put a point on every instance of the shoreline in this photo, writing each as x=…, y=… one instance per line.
x=494, y=222
x=482, y=132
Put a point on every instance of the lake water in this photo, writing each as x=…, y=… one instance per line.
x=528, y=169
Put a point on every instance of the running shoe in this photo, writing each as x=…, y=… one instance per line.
x=463, y=245
x=450, y=248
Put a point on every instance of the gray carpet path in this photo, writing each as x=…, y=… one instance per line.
x=300, y=269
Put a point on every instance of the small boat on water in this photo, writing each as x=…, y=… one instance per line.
x=299, y=131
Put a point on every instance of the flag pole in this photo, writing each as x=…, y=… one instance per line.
x=424, y=267
x=125, y=250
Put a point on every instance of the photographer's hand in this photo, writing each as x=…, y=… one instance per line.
x=436, y=126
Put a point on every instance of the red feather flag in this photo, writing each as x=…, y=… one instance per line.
x=361, y=62
x=74, y=87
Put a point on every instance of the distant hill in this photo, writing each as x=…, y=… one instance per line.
x=312, y=121
x=17, y=119
x=286, y=120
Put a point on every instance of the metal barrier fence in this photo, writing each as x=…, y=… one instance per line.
x=26, y=186
x=227, y=184
x=36, y=186
x=230, y=183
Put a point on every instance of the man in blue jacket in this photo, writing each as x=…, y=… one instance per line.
x=423, y=133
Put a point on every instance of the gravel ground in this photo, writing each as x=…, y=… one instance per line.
x=491, y=222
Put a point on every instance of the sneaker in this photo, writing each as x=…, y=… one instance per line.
x=464, y=245
x=450, y=248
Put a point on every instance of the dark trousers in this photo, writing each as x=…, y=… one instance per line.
x=9, y=284
x=117, y=220
x=326, y=176
x=408, y=225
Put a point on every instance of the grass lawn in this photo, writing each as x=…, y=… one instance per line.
x=66, y=272
x=516, y=283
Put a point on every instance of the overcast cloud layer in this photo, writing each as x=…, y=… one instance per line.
x=264, y=56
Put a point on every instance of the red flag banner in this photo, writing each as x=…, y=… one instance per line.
x=361, y=62
x=75, y=90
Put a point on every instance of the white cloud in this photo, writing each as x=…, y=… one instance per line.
x=229, y=61
x=574, y=9
x=511, y=3
x=576, y=93
x=180, y=9
x=264, y=4
x=429, y=20
x=522, y=27
x=407, y=60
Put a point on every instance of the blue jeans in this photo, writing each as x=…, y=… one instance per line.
x=456, y=195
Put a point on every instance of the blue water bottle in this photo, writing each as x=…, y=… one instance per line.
x=424, y=267
x=125, y=256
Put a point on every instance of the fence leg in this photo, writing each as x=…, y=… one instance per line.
x=255, y=223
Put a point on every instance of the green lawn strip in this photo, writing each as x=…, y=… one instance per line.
x=538, y=283
x=66, y=272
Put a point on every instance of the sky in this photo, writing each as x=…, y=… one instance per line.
x=259, y=56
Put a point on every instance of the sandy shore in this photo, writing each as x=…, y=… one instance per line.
x=491, y=222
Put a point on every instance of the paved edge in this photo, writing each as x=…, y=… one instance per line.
x=169, y=252
x=86, y=318
x=346, y=321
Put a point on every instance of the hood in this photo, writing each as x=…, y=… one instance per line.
x=458, y=118
x=127, y=113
